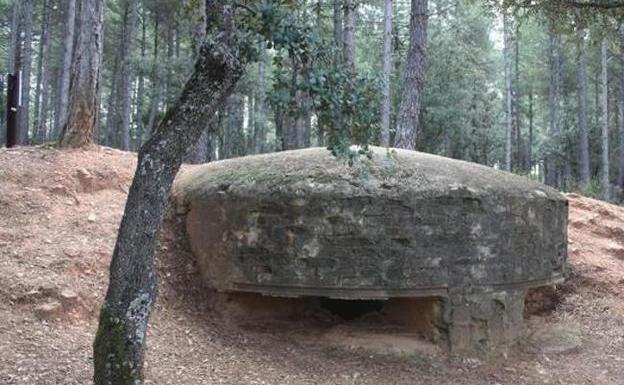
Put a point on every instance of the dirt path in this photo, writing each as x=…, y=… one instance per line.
x=59, y=213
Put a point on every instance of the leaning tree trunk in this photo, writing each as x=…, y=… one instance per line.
x=120, y=340
x=386, y=74
x=604, y=121
x=198, y=153
x=581, y=94
x=408, y=119
x=83, y=106
x=62, y=95
x=508, y=91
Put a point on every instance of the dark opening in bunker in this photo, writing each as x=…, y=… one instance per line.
x=350, y=310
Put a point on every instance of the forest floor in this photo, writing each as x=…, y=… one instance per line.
x=59, y=213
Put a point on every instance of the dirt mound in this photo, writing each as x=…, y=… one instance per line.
x=59, y=213
x=596, y=244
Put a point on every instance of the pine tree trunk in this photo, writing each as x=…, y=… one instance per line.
x=338, y=27
x=508, y=91
x=141, y=82
x=348, y=43
x=584, y=174
x=408, y=119
x=120, y=340
x=44, y=42
x=26, y=68
x=15, y=36
x=554, y=106
x=127, y=72
x=62, y=98
x=169, y=83
x=260, y=123
x=112, y=113
x=155, y=79
x=250, y=134
x=604, y=123
x=386, y=74
x=621, y=113
x=517, y=122
x=530, y=144
x=83, y=106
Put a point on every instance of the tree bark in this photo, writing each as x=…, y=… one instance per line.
x=348, y=44
x=120, y=340
x=508, y=90
x=604, y=121
x=62, y=98
x=386, y=75
x=198, y=153
x=581, y=93
x=408, y=120
x=83, y=105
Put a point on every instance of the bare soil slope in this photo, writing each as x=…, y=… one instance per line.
x=59, y=212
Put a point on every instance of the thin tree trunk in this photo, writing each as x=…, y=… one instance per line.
x=156, y=83
x=15, y=35
x=584, y=174
x=530, y=144
x=604, y=103
x=141, y=86
x=169, y=84
x=26, y=68
x=386, y=74
x=127, y=72
x=112, y=116
x=348, y=44
x=554, y=106
x=62, y=98
x=260, y=123
x=508, y=90
x=519, y=161
x=408, y=120
x=621, y=112
x=83, y=105
x=44, y=40
x=338, y=27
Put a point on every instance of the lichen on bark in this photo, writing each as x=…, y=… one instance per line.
x=117, y=366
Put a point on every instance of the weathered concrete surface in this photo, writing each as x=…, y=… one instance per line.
x=404, y=224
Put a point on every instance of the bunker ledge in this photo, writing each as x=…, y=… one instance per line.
x=402, y=224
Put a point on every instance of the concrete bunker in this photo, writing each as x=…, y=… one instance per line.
x=445, y=246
